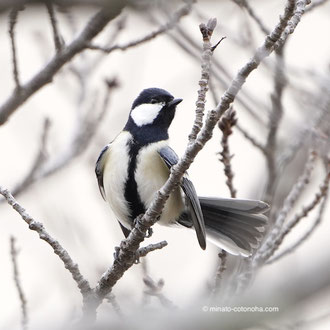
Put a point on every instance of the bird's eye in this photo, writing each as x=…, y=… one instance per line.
x=153, y=101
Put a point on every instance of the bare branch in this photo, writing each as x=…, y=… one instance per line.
x=12, y=22
x=175, y=18
x=14, y=252
x=251, y=12
x=37, y=164
x=250, y=138
x=206, y=31
x=111, y=298
x=268, y=244
x=315, y=4
x=69, y=264
x=226, y=123
x=305, y=211
x=143, y=251
x=154, y=289
x=193, y=50
x=296, y=245
x=220, y=270
x=299, y=10
x=45, y=76
x=274, y=122
x=80, y=141
x=58, y=40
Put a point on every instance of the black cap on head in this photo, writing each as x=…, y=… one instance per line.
x=152, y=95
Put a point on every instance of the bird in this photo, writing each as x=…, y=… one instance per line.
x=136, y=164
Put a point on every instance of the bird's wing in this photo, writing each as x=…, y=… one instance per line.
x=99, y=168
x=170, y=158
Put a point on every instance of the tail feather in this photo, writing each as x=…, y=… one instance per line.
x=235, y=225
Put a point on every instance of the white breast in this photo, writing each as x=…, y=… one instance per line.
x=115, y=175
x=151, y=174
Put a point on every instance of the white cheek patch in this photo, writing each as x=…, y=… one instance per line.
x=146, y=113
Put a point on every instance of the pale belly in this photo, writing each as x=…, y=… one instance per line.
x=151, y=173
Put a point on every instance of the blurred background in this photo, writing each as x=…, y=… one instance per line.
x=49, y=147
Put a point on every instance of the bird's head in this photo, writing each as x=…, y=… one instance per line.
x=151, y=115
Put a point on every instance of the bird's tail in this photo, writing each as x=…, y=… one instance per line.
x=235, y=225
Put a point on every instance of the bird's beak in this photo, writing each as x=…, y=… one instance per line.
x=174, y=102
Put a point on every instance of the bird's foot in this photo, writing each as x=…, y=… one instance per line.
x=140, y=227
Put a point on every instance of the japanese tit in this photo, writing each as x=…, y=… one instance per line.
x=136, y=164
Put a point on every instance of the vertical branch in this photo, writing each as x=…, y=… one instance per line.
x=12, y=22
x=225, y=124
x=58, y=41
x=274, y=121
x=220, y=270
x=207, y=31
x=14, y=253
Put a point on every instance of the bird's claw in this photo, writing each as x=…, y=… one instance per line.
x=138, y=225
x=116, y=254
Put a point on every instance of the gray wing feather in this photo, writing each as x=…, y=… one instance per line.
x=170, y=158
x=237, y=205
x=99, y=168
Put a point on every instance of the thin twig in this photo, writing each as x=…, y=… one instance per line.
x=78, y=144
x=45, y=75
x=206, y=31
x=143, y=251
x=227, y=122
x=250, y=138
x=245, y=4
x=315, y=4
x=154, y=289
x=308, y=233
x=238, y=126
x=192, y=49
x=288, y=205
x=14, y=252
x=304, y=213
x=37, y=164
x=58, y=40
x=111, y=298
x=220, y=270
x=274, y=122
x=12, y=22
x=69, y=264
x=175, y=18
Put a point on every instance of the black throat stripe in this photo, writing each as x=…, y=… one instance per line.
x=131, y=192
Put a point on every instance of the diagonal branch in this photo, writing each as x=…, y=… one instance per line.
x=173, y=21
x=308, y=233
x=69, y=264
x=304, y=213
x=288, y=204
x=251, y=12
x=315, y=4
x=45, y=75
